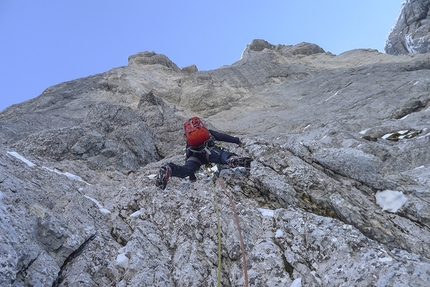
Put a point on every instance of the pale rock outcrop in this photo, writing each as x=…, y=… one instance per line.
x=410, y=34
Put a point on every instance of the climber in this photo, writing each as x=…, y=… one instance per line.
x=201, y=149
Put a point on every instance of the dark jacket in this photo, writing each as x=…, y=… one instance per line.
x=214, y=136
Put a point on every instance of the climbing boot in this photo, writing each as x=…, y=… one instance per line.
x=235, y=161
x=163, y=176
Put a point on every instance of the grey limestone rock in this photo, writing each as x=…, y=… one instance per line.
x=190, y=69
x=152, y=58
x=328, y=134
x=410, y=34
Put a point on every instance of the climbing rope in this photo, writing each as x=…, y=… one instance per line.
x=242, y=245
x=219, y=234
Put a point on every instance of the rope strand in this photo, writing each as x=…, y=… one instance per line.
x=219, y=235
x=242, y=245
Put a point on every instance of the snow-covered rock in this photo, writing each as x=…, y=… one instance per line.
x=390, y=200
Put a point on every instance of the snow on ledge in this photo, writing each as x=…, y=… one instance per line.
x=30, y=164
x=122, y=260
x=21, y=158
x=152, y=176
x=297, y=283
x=137, y=213
x=101, y=208
x=390, y=200
x=266, y=212
x=69, y=175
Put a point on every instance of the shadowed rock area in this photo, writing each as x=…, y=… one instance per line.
x=330, y=135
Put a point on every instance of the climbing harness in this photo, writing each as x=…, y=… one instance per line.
x=204, y=147
x=207, y=148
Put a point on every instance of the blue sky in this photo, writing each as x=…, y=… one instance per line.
x=44, y=43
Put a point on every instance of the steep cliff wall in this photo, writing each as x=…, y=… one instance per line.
x=338, y=194
x=410, y=34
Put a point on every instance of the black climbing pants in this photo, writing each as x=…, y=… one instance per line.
x=193, y=163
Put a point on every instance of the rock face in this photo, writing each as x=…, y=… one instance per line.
x=410, y=34
x=338, y=194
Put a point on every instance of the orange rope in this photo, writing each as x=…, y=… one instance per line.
x=242, y=245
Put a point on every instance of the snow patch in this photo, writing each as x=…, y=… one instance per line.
x=385, y=259
x=297, y=283
x=413, y=44
x=406, y=134
x=386, y=136
x=30, y=164
x=279, y=233
x=21, y=158
x=364, y=131
x=314, y=273
x=122, y=261
x=104, y=210
x=137, y=213
x=201, y=209
x=72, y=176
x=266, y=212
x=69, y=175
x=390, y=200
x=426, y=135
x=101, y=208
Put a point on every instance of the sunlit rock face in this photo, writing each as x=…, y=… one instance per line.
x=410, y=34
x=338, y=193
